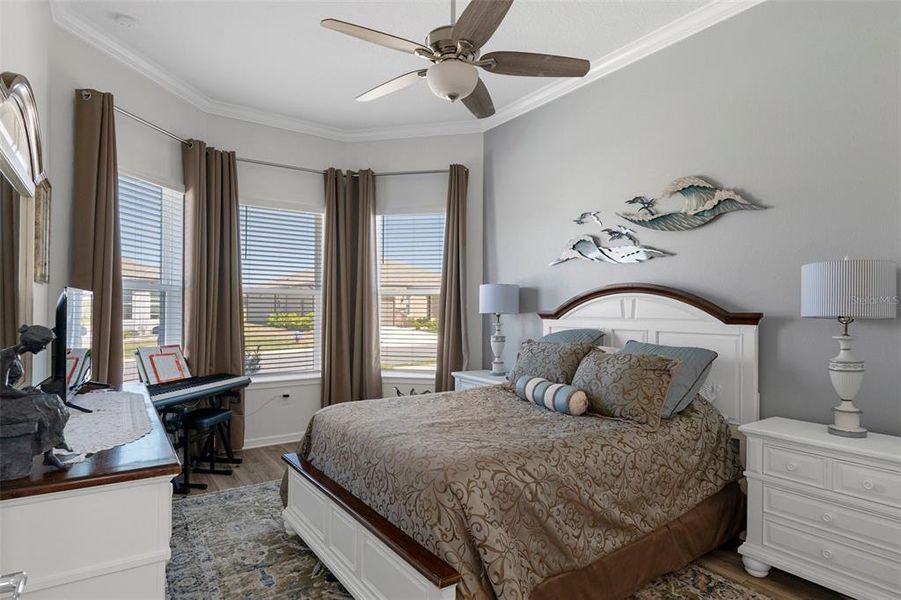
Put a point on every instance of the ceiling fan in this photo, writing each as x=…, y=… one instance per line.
x=454, y=52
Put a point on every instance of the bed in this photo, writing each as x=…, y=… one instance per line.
x=477, y=494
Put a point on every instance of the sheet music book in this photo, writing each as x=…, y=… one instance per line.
x=162, y=364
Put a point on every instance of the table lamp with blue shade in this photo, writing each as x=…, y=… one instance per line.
x=848, y=290
x=498, y=299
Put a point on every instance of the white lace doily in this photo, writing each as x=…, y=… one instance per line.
x=118, y=418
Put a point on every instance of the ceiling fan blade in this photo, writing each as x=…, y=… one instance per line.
x=393, y=85
x=373, y=36
x=479, y=101
x=480, y=20
x=529, y=64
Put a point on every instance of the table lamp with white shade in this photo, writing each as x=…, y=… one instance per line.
x=498, y=299
x=848, y=290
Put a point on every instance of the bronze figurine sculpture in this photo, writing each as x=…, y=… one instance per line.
x=31, y=422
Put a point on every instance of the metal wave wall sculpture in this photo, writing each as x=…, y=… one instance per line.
x=702, y=202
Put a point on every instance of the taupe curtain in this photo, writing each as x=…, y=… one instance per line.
x=96, y=261
x=351, y=361
x=214, y=324
x=9, y=264
x=453, y=349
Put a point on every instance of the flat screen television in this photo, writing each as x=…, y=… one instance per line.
x=70, y=357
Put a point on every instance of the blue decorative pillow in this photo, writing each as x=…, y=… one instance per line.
x=554, y=396
x=574, y=336
x=689, y=376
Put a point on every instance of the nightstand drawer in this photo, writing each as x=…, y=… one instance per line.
x=794, y=465
x=463, y=384
x=866, y=482
x=833, y=518
x=834, y=555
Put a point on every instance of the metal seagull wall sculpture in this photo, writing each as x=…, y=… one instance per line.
x=621, y=232
x=587, y=247
x=702, y=203
x=586, y=216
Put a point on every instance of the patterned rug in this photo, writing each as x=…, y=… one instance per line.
x=232, y=545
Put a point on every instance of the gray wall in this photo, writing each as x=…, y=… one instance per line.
x=796, y=105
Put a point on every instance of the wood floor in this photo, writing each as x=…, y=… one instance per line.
x=260, y=464
x=265, y=464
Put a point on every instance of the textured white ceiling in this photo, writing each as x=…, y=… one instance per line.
x=275, y=57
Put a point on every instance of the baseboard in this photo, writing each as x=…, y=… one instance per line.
x=273, y=440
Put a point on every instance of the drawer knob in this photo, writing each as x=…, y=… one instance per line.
x=827, y=518
x=827, y=554
x=790, y=466
x=867, y=484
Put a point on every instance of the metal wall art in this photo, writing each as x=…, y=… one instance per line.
x=588, y=247
x=701, y=203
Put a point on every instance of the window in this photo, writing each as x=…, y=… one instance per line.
x=281, y=268
x=151, y=223
x=411, y=248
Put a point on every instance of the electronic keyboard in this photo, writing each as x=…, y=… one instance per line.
x=164, y=395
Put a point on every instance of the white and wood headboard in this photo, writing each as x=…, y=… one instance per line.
x=671, y=317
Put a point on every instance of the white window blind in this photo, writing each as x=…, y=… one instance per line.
x=151, y=223
x=411, y=248
x=281, y=268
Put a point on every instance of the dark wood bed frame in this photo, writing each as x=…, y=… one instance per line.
x=421, y=558
x=714, y=310
x=432, y=567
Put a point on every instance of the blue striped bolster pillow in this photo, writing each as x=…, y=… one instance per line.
x=554, y=396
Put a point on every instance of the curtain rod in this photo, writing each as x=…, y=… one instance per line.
x=254, y=161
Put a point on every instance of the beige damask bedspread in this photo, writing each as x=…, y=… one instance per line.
x=510, y=493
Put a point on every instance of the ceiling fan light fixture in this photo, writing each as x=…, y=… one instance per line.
x=452, y=79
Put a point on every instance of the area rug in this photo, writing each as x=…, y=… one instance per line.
x=232, y=545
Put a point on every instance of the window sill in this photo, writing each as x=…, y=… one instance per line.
x=283, y=380
x=271, y=380
x=407, y=376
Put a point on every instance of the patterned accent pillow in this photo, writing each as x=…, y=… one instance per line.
x=555, y=362
x=626, y=386
x=554, y=396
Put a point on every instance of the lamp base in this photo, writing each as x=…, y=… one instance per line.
x=860, y=432
x=846, y=373
x=847, y=421
x=498, y=340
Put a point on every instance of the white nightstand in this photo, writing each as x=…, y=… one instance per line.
x=824, y=507
x=464, y=380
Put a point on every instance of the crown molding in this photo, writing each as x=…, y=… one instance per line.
x=676, y=31
x=68, y=20
x=415, y=131
x=684, y=27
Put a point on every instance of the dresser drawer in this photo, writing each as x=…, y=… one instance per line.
x=834, y=556
x=794, y=465
x=866, y=482
x=833, y=518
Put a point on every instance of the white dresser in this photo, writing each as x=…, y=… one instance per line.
x=99, y=531
x=464, y=380
x=823, y=507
